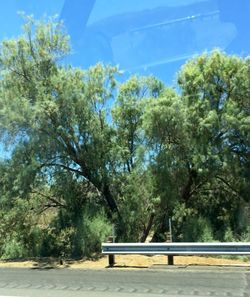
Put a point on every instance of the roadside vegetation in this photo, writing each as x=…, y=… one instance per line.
x=87, y=151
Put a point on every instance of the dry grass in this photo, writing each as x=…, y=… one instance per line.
x=126, y=261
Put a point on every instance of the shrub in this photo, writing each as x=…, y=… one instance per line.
x=96, y=231
x=228, y=236
x=246, y=236
x=12, y=249
x=197, y=230
x=57, y=243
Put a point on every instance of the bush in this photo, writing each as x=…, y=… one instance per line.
x=96, y=231
x=77, y=241
x=246, y=236
x=12, y=249
x=197, y=230
x=229, y=236
x=58, y=243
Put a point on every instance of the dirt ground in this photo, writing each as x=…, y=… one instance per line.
x=122, y=261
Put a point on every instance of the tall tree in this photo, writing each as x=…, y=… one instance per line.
x=138, y=203
x=202, y=137
x=59, y=113
x=56, y=117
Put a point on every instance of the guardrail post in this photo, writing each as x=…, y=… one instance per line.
x=170, y=260
x=111, y=260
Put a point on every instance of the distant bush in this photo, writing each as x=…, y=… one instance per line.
x=76, y=241
x=246, y=236
x=197, y=230
x=57, y=243
x=229, y=236
x=96, y=231
x=12, y=249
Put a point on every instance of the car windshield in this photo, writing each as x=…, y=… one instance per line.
x=124, y=143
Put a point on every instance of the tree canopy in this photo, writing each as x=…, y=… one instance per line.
x=88, y=151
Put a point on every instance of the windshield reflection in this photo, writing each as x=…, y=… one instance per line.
x=146, y=37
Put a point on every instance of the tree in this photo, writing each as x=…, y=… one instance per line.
x=137, y=201
x=202, y=137
x=56, y=116
x=66, y=147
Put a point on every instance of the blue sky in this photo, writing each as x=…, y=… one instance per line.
x=144, y=36
x=149, y=37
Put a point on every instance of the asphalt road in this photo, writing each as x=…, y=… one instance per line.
x=171, y=282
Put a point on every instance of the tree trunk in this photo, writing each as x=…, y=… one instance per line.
x=161, y=229
x=186, y=191
x=148, y=228
x=110, y=199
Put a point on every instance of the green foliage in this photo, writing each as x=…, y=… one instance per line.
x=88, y=152
x=229, y=235
x=20, y=236
x=56, y=242
x=189, y=226
x=96, y=230
x=197, y=230
x=138, y=205
x=12, y=249
x=246, y=236
x=74, y=242
x=201, y=141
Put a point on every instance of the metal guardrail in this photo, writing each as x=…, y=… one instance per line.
x=175, y=249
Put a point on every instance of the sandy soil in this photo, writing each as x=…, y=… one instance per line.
x=123, y=261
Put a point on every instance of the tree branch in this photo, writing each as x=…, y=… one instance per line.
x=54, y=201
x=228, y=185
x=68, y=168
